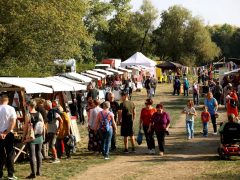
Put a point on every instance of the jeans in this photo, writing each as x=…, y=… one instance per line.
x=214, y=123
x=113, y=142
x=196, y=98
x=185, y=91
x=190, y=129
x=161, y=140
x=106, y=142
x=149, y=137
x=35, y=156
x=205, y=128
x=7, y=153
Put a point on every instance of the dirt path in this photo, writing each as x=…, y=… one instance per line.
x=184, y=159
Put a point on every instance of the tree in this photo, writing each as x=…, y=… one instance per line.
x=221, y=35
x=183, y=38
x=128, y=31
x=33, y=33
x=235, y=44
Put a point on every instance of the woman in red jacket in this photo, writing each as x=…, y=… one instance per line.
x=145, y=118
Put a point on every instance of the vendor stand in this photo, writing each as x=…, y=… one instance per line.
x=11, y=85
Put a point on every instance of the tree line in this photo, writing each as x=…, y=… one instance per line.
x=34, y=33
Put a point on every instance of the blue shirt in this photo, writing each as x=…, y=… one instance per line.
x=211, y=105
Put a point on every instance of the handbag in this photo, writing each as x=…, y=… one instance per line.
x=30, y=133
x=139, y=137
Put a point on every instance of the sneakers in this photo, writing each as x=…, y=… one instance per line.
x=125, y=151
x=133, y=150
x=12, y=178
x=215, y=133
x=189, y=138
x=106, y=158
x=153, y=151
x=56, y=161
x=149, y=151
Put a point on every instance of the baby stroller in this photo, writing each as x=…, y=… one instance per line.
x=230, y=141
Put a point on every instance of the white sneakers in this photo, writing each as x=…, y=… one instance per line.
x=151, y=151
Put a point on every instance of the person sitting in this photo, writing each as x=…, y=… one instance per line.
x=230, y=131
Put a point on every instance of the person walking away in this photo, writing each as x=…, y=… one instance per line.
x=160, y=122
x=126, y=116
x=8, y=118
x=205, y=117
x=196, y=93
x=232, y=103
x=145, y=118
x=154, y=85
x=147, y=85
x=114, y=107
x=185, y=87
x=64, y=133
x=190, y=112
x=34, y=119
x=212, y=105
x=176, y=86
x=40, y=108
x=53, y=128
x=107, y=126
x=81, y=105
x=94, y=142
x=218, y=91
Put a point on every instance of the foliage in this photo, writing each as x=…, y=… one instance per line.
x=183, y=38
x=39, y=31
x=128, y=31
x=221, y=35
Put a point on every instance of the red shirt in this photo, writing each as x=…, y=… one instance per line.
x=146, y=115
x=205, y=116
x=230, y=109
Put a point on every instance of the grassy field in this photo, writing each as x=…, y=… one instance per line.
x=83, y=159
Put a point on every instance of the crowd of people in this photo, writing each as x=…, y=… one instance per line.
x=47, y=123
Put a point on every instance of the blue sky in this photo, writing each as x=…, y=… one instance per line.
x=212, y=11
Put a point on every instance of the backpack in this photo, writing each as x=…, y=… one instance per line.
x=51, y=115
x=105, y=124
x=38, y=126
x=186, y=84
x=233, y=103
x=147, y=84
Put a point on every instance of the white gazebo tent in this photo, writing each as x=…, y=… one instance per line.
x=139, y=59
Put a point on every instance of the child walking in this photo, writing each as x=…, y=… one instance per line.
x=205, y=117
x=190, y=112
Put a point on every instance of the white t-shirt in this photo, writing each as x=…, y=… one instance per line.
x=6, y=114
x=93, y=116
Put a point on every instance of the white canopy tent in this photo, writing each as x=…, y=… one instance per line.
x=76, y=85
x=115, y=71
x=138, y=59
x=233, y=71
x=91, y=76
x=108, y=73
x=124, y=70
x=30, y=87
x=77, y=77
x=96, y=73
x=56, y=86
